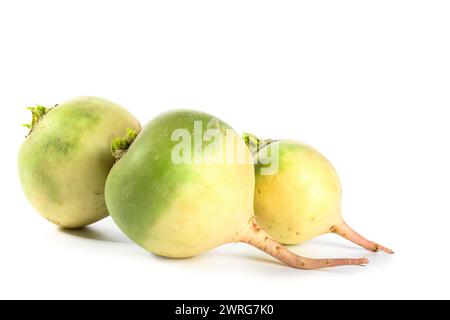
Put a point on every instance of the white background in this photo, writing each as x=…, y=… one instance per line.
x=365, y=82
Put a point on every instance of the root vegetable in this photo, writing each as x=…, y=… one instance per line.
x=180, y=209
x=64, y=161
x=302, y=200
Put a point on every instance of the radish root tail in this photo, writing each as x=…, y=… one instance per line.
x=260, y=239
x=345, y=231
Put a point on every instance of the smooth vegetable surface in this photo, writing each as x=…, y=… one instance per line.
x=182, y=209
x=64, y=161
x=302, y=199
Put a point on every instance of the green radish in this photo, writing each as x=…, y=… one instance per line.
x=66, y=157
x=302, y=199
x=186, y=186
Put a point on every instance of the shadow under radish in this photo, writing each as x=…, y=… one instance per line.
x=94, y=234
x=327, y=244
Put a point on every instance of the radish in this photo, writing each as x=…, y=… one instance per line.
x=186, y=185
x=65, y=159
x=302, y=199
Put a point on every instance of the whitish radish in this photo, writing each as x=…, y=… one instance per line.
x=302, y=199
x=186, y=185
x=64, y=161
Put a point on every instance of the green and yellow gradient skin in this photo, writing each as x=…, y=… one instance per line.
x=302, y=200
x=66, y=158
x=179, y=210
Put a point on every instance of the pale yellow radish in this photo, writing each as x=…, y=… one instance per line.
x=302, y=198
